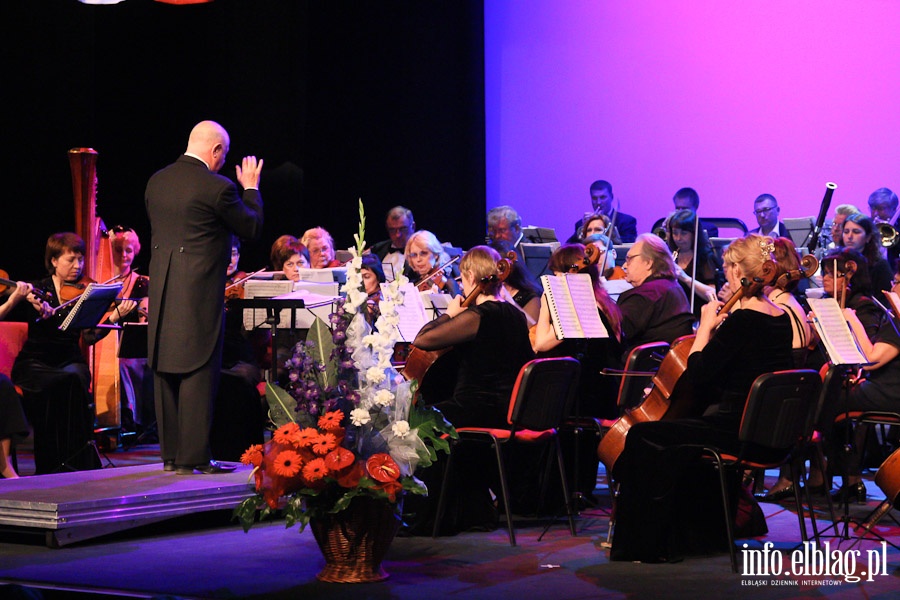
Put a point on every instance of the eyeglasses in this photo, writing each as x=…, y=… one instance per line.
x=764, y=210
x=415, y=255
x=629, y=257
x=396, y=230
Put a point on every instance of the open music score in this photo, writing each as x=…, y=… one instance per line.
x=894, y=300
x=836, y=335
x=93, y=303
x=573, y=309
x=411, y=313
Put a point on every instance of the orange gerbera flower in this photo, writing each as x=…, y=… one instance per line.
x=331, y=420
x=307, y=436
x=287, y=464
x=315, y=470
x=382, y=467
x=253, y=455
x=287, y=434
x=339, y=458
x=324, y=443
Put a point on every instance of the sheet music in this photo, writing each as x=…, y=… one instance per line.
x=254, y=288
x=90, y=307
x=573, y=308
x=835, y=333
x=411, y=313
x=894, y=300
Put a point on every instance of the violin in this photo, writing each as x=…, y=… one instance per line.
x=6, y=283
x=72, y=290
x=440, y=279
x=234, y=284
x=419, y=361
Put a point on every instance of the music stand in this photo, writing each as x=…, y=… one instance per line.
x=273, y=308
x=539, y=235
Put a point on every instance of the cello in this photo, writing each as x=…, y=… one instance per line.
x=670, y=396
x=421, y=364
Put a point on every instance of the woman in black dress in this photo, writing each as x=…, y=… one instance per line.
x=669, y=504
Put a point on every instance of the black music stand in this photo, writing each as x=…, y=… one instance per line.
x=273, y=308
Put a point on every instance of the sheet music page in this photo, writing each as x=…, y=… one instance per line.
x=411, y=312
x=585, y=305
x=894, y=301
x=562, y=310
x=90, y=307
x=835, y=333
x=261, y=288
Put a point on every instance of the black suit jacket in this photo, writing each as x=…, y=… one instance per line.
x=380, y=249
x=782, y=230
x=193, y=213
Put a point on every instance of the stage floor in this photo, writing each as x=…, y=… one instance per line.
x=71, y=507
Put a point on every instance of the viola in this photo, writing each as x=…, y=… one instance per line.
x=72, y=290
x=420, y=362
x=6, y=282
x=234, y=284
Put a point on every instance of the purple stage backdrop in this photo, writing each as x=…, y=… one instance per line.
x=733, y=99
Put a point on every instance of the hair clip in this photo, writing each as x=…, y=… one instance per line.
x=768, y=248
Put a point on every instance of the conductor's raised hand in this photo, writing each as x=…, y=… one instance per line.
x=248, y=172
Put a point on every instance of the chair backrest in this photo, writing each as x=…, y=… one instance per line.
x=12, y=338
x=644, y=358
x=832, y=386
x=727, y=223
x=781, y=408
x=543, y=393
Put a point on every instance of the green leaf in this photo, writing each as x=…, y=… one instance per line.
x=361, y=235
x=281, y=405
x=245, y=512
x=320, y=335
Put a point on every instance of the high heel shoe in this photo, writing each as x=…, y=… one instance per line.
x=852, y=492
x=777, y=495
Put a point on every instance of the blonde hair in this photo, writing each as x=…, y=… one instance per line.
x=750, y=253
x=481, y=262
x=128, y=236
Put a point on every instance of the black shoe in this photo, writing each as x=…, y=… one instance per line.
x=853, y=492
x=817, y=490
x=208, y=469
x=777, y=496
x=168, y=465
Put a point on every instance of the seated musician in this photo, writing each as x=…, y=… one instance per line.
x=669, y=503
x=876, y=390
x=372, y=276
x=608, y=268
x=656, y=309
x=594, y=224
x=860, y=235
x=680, y=228
x=321, y=248
x=519, y=287
x=490, y=339
x=596, y=393
x=52, y=371
x=138, y=411
x=12, y=418
x=289, y=255
x=426, y=257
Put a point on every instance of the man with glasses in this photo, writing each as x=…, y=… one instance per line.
x=400, y=225
x=766, y=210
x=656, y=308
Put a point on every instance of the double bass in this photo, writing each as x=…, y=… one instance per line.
x=671, y=396
x=428, y=366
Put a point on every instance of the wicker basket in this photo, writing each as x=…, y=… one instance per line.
x=355, y=540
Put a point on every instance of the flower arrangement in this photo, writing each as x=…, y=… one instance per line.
x=346, y=422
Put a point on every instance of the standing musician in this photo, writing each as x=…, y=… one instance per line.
x=490, y=337
x=51, y=369
x=193, y=212
x=655, y=309
x=426, y=258
x=669, y=505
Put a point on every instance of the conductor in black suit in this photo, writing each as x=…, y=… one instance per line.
x=193, y=212
x=602, y=203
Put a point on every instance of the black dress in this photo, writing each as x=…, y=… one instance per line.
x=55, y=382
x=669, y=503
x=490, y=341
